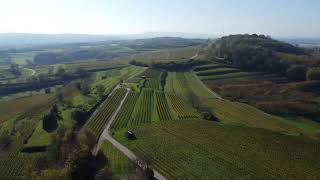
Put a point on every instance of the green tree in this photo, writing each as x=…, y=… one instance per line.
x=15, y=69
x=296, y=73
x=100, y=90
x=50, y=121
x=313, y=74
x=79, y=116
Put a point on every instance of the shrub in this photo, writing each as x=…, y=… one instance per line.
x=313, y=74
x=50, y=121
x=296, y=73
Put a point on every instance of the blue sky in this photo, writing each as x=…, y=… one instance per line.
x=272, y=17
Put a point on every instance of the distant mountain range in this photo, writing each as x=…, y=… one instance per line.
x=24, y=39
x=304, y=42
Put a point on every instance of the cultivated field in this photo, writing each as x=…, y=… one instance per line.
x=207, y=150
x=11, y=108
x=123, y=118
x=116, y=162
x=99, y=120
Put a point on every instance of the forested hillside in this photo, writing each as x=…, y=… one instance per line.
x=260, y=53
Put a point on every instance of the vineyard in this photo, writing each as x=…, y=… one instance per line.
x=152, y=83
x=176, y=84
x=99, y=120
x=118, y=163
x=198, y=148
x=143, y=109
x=124, y=115
x=162, y=106
x=151, y=73
x=13, y=166
x=181, y=107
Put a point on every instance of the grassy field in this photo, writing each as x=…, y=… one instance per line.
x=11, y=108
x=39, y=137
x=200, y=149
x=21, y=58
x=179, y=54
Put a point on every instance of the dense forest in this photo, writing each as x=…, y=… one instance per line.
x=262, y=53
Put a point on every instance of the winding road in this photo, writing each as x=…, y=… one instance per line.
x=105, y=136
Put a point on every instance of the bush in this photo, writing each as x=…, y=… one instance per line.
x=50, y=121
x=5, y=139
x=47, y=90
x=296, y=73
x=313, y=74
x=79, y=116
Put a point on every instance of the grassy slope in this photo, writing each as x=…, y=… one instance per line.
x=39, y=137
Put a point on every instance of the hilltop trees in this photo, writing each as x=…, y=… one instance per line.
x=253, y=52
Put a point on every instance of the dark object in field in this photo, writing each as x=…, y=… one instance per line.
x=130, y=135
x=34, y=149
x=208, y=116
x=149, y=173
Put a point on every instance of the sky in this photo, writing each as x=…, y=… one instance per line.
x=286, y=18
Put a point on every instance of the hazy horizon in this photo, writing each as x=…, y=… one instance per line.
x=288, y=18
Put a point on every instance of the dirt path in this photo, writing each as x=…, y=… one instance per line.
x=106, y=130
x=33, y=72
x=195, y=56
x=106, y=136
